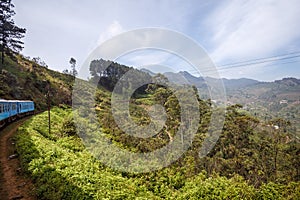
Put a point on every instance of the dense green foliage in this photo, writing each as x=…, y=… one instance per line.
x=62, y=168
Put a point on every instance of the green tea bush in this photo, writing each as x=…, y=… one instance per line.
x=62, y=168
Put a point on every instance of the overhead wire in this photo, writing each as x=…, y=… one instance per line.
x=264, y=58
x=254, y=62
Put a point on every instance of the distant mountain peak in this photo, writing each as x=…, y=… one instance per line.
x=151, y=73
x=290, y=81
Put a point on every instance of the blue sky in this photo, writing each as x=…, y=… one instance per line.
x=229, y=31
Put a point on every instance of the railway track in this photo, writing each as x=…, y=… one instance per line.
x=13, y=182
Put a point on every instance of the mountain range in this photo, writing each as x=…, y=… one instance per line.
x=237, y=89
x=266, y=100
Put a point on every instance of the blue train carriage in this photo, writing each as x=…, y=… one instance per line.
x=8, y=111
x=25, y=107
x=11, y=109
x=4, y=111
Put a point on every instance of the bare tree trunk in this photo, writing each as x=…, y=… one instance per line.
x=2, y=53
x=275, y=162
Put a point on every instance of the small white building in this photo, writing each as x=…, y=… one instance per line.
x=283, y=101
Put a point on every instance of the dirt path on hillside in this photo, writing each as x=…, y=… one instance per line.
x=13, y=183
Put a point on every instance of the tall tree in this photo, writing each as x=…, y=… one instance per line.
x=73, y=67
x=10, y=34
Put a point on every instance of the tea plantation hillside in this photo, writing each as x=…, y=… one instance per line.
x=62, y=168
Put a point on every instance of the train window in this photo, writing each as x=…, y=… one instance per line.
x=1, y=108
x=14, y=106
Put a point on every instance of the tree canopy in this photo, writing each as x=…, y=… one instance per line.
x=10, y=34
x=107, y=74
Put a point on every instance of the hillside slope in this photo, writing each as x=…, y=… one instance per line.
x=266, y=100
x=24, y=79
x=269, y=100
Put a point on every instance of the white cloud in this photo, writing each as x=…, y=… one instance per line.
x=107, y=33
x=250, y=29
x=144, y=57
x=112, y=30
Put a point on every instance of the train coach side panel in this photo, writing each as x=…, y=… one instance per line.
x=25, y=106
x=13, y=108
x=4, y=110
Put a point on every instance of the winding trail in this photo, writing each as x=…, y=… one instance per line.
x=13, y=182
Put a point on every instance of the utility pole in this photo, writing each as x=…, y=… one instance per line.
x=48, y=105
